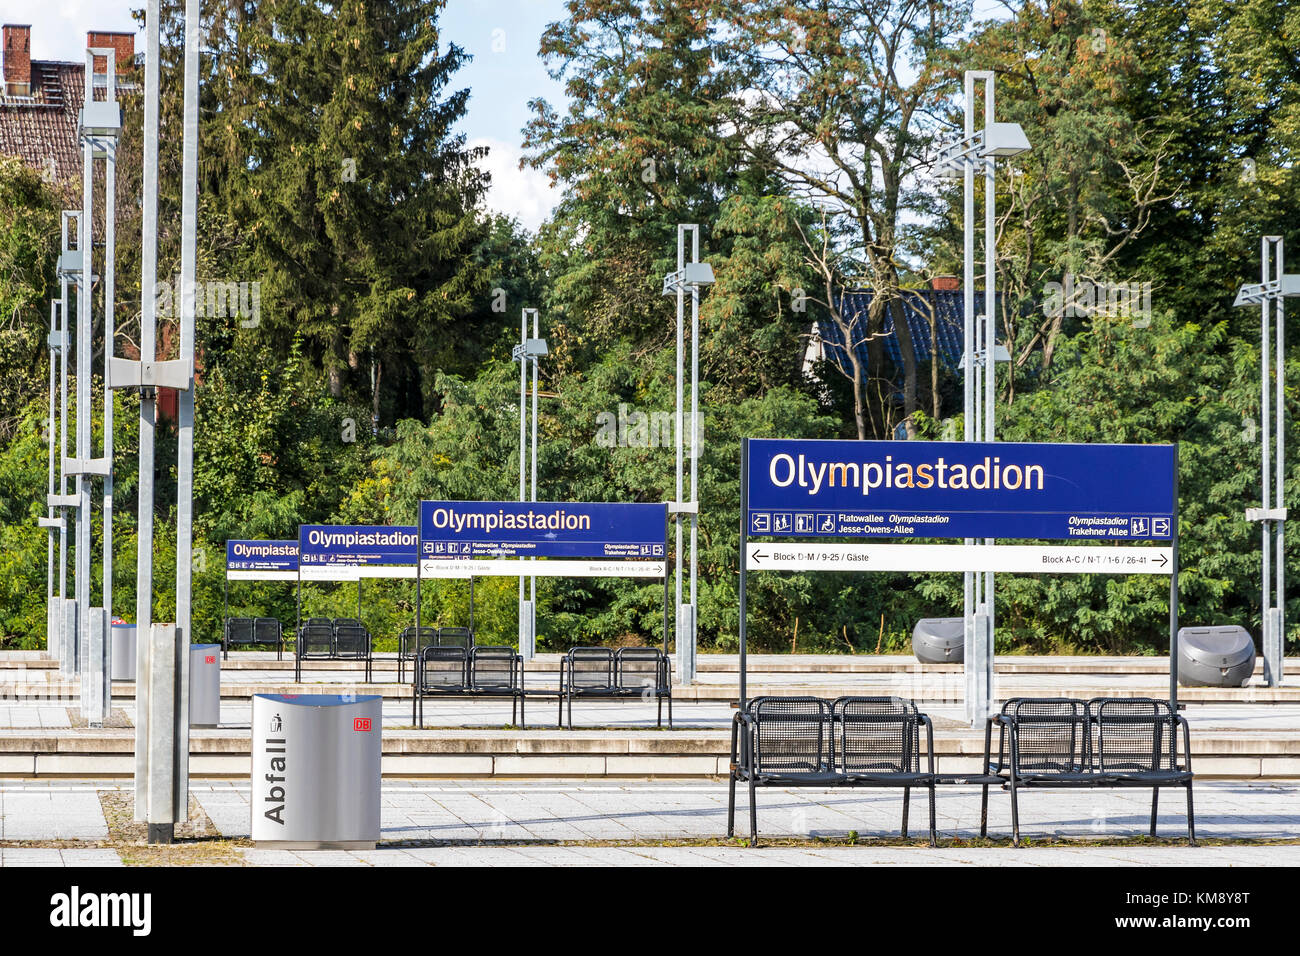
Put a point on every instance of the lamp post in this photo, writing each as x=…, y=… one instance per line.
x=979, y=151
x=688, y=275
x=1274, y=287
x=528, y=349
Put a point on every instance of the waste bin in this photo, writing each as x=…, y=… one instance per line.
x=316, y=771
x=939, y=640
x=205, y=685
x=122, y=659
x=1222, y=656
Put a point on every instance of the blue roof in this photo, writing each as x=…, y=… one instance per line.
x=917, y=303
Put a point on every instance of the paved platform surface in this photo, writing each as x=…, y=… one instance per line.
x=569, y=823
x=590, y=714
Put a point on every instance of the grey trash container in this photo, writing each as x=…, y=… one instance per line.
x=939, y=640
x=122, y=661
x=316, y=771
x=1222, y=656
x=205, y=685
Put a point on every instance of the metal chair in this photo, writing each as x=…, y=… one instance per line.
x=879, y=745
x=410, y=642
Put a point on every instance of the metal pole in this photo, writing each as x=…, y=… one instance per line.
x=677, y=467
x=525, y=650
x=968, y=372
x=1280, y=411
x=990, y=361
x=692, y=624
x=110, y=239
x=532, y=581
x=185, y=403
x=85, y=243
x=148, y=352
x=744, y=561
x=1173, y=598
x=1265, y=440
x=49, y=484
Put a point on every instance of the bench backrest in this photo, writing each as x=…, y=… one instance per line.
x=443, y=668
x=792, y=734
x=877, y=735
x=316, y=640
x=1133, y=735
x=1051, y=734
x=641, y=667
x=345, y=622
x=412, y=640
x=494, y=668
x=267, y=630
x=351, y=640
x=455, y=637
x=590, y=668
x=239, y=629
x=319, y=622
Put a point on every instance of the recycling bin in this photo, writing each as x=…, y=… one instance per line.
x=205, y=685
x=316, y=771
x=122, y=654
x=1222, y=656
x=939, y=640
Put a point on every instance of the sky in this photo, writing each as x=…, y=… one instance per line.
x=505, y=73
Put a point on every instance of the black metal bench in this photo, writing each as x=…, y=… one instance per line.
x=811, y=742
x=628, y=672
x=479, y=671
x=324, y=639
x=1104, y=742
x=410, y=642
x=251, y=631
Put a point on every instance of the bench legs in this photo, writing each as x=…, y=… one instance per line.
x=731, y=805
x=1015, y=813
x=934, y=837
x=984, y=813
x=907, y=802
x=753, y=813
x=1191, y=818
x=1155, y=801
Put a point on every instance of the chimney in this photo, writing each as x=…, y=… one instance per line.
x=123, y=43
x=945, y=283
x=17, y=42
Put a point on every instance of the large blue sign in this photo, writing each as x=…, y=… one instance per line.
x=893, y=489
x=261, y=555
x=356, y=545
x=536, y=529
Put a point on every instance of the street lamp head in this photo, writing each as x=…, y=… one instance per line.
x=698, y=273
x=1005, y=139
x=535, y=348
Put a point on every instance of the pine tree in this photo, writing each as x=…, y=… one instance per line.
x=353, y=194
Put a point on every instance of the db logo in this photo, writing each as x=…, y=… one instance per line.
x=210, y=659
x=361, y=723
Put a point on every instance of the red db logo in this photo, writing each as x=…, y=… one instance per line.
x=361, y=723
x=210, y=659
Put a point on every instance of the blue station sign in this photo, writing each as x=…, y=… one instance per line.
x=357, y=545
x=537, y=529
x=261, y=555
x=889, y=489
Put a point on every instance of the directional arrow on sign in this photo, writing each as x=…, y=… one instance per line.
x=757, y=555
x=1164, y=559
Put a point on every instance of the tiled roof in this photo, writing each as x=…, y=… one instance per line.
x=42, y=126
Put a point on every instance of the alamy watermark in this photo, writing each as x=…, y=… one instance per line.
x=1080, y=297
x=213, y=299
x=628, y=428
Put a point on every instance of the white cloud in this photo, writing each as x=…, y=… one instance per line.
x=59, y=29
x=525, y=194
